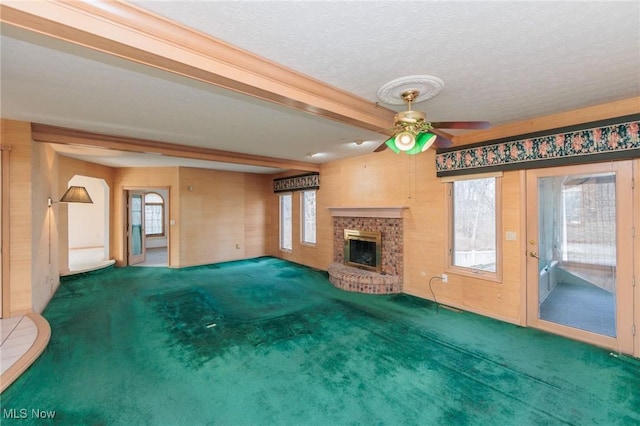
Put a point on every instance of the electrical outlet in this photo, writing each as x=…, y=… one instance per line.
x=445, y=278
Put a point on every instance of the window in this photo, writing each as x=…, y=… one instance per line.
x=573, y=205
x=474, y=224
x=153, y=215
x=308, y=203
x=285, y=222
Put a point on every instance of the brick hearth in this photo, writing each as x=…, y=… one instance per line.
x=355, y=279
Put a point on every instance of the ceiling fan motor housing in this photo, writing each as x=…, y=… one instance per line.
x=409, y=117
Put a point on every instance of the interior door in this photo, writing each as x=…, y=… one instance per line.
x=580, y=252
x=135, y=230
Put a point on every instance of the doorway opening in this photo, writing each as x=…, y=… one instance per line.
x=148, y=227
x=88, y=227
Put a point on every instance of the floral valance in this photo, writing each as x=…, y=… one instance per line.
x=297, y=183
x=600, y=143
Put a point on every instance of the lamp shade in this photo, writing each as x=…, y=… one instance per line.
x=76, y=194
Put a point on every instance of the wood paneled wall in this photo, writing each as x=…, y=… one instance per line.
x=18, y=291
x=257, y=215
x=44, y=221
x=222, y=216
x=211, y=216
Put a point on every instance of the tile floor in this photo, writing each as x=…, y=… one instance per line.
x=155, y=257
x=18, y=334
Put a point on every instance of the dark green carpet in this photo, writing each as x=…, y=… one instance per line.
x=266, y=342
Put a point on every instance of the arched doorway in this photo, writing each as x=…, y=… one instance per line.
x=88, y=227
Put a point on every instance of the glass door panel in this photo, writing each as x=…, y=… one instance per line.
x=577, y=249
x=136, y=228
x=580, y=252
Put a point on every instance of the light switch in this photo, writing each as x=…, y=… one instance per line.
x=511, y=236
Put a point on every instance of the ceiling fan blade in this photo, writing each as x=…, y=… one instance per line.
x=381, y=147
x=442, y=134
x=443, y=140
x=461, y=124
x=384, y=145
x=443, y=143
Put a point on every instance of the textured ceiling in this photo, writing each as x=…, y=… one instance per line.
x=500, y=62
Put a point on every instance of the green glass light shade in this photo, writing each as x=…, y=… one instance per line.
x=391, y=143
x=423, y=142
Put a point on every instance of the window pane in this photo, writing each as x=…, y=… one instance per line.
x=474, y=220
x=153, y=218
x=309, y=217
x=285, y=222
x=152, y=197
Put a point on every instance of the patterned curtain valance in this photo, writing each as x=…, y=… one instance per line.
x=297, y=183
x=600, y=143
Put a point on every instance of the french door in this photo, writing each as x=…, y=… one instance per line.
x=135, y=228
x=580, y=252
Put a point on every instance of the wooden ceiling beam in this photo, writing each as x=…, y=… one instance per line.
x=132, y=33
x=61, y=135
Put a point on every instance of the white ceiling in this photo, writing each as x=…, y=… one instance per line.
x=500, y=62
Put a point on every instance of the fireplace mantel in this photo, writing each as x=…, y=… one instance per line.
x=390, y=212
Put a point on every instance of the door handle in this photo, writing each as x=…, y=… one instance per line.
x=534, y=254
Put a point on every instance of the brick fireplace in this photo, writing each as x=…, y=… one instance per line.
x=387, y=221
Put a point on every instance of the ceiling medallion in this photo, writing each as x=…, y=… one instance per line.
x=427, y=87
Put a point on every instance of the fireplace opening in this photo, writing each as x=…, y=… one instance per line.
x=362, y=249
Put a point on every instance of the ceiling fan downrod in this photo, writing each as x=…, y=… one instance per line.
x=411, y=120
x=409, y=96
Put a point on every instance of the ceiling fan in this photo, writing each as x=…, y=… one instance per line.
x=412, y=134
